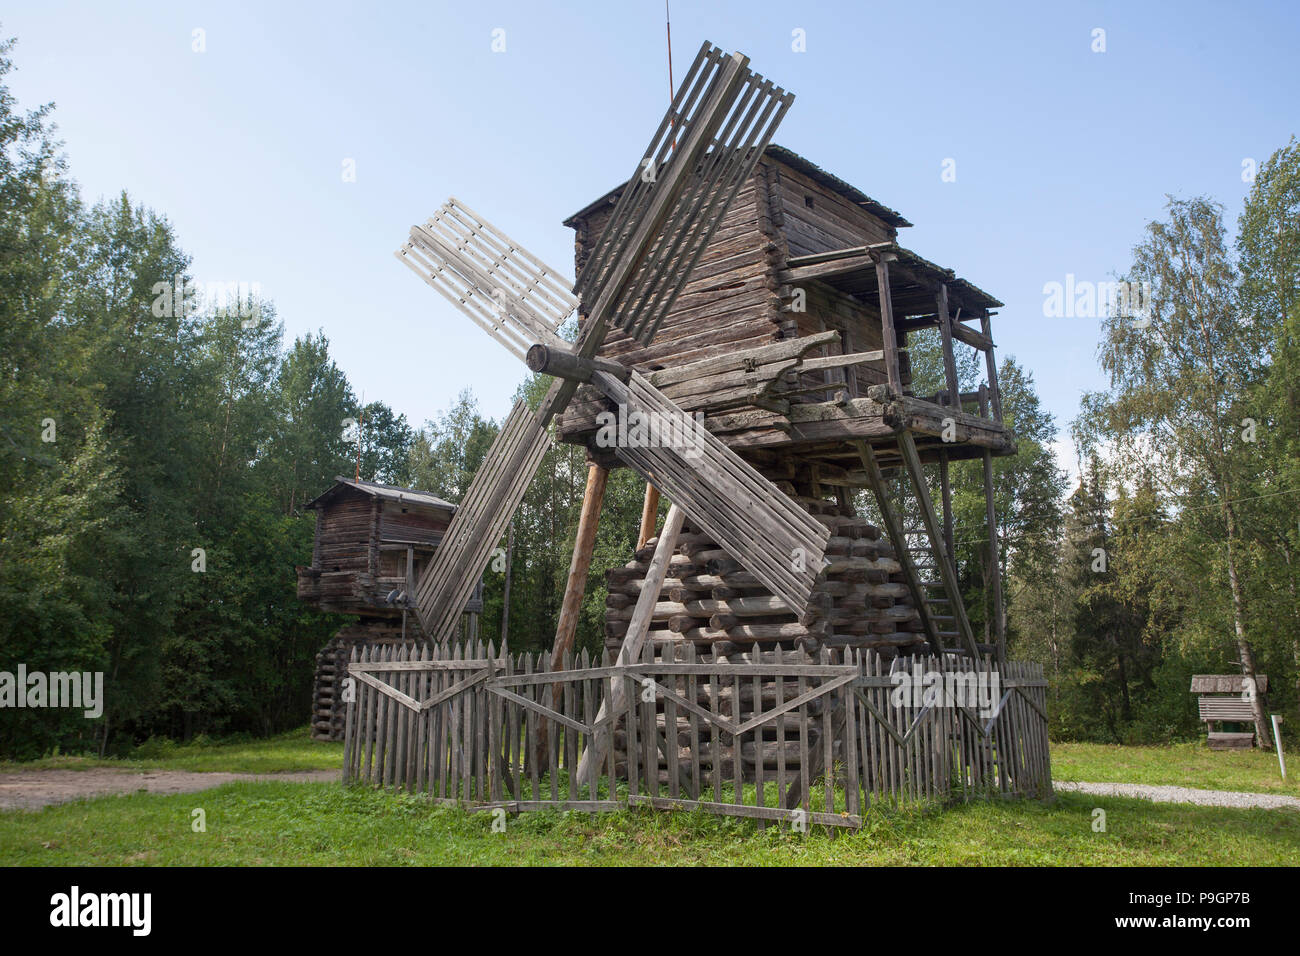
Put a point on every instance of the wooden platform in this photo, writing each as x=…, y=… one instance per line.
x=783, y=400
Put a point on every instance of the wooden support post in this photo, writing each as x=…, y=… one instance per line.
x=576, y=586
x=991, y=365
x=410, y=587
x=995, y=562
x=949, y=360
x=583, y=544
x=945, y=489
x=637, y=629
x=943, y=558
x=505, y=598
x=889, y=335
x=845, y=497
x=649, y=514
x=894, y=531
x=994, y=552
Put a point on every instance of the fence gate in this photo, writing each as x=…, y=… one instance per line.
x=935, y=728
x=757, y=739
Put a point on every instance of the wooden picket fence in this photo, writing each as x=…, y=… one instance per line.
x=471, y=727
x=775, y=735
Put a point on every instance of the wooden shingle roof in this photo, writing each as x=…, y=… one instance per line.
x=406, y=496
x=1225, y=683
x=793, y=160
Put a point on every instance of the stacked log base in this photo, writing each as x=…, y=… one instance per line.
x=328, y=711
x=861, y=599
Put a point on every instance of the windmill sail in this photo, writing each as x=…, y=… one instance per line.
x=506, y=290
x=480, y=521
x=704, y=150
x=758, y=525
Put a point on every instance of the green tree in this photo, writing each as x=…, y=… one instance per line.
x=1268, y=246
x=1177, y=379
x=386, y=440
x=317, y=417
x=447, y=452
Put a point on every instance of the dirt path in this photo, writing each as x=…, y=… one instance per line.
x=33, y=789
x=1168, y=794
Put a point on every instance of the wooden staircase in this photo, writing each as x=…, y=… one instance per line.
x=923, y=545
x=326, y=719
x=930, y=584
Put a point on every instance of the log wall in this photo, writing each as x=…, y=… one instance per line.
x=328, y=712
x=399, y=524
x=815, y=218
x=734, y=299
x=343, y=536
x=729, y=302
x=710, y=601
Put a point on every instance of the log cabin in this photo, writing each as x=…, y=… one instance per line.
x=371, y=544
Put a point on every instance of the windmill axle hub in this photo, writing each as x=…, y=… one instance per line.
x=565, y=364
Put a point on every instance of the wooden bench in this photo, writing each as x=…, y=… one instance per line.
x=1222, y=699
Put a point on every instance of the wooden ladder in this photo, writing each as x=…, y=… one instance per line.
x=326, y=714
x=927, y=566
x=930, y=584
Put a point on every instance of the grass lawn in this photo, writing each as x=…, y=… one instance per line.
x=1184, y=765
x=283, y=823
x=1187, y=765
x=291, y=823
x=293, y=750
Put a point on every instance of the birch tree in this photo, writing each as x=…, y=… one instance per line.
x=1175, y=409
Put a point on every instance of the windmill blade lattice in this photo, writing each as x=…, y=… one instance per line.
x=704, y=150
x=776, y=540
x=506, y=290
x=518, y=300
x=478, y=524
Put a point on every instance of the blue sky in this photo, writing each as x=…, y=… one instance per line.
x=1062, y=154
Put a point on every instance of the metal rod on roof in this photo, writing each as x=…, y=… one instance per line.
x=669, y=24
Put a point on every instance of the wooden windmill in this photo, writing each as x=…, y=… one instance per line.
x=732, y=280
x=703, y=151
